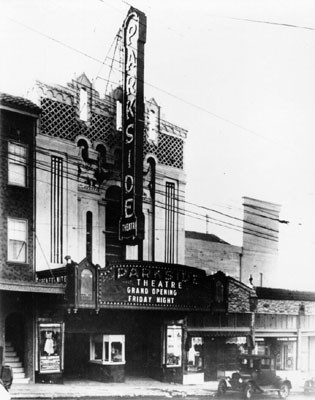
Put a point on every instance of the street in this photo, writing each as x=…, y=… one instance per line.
x=228, y=396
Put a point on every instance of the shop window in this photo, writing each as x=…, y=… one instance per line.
x=195, y=355
x=173, y=346
x=17, y=174
x=17, y=240
x=107, y=349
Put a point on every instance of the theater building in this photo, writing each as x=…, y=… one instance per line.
x=108, y=291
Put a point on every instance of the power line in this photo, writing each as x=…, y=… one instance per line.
x=191, y=104
x=73, y=176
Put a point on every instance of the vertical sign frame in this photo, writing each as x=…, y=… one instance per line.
x=131, y=224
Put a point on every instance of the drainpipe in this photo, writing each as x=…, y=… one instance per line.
x=241, y=265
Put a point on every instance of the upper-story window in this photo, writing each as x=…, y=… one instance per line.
x=118, y=115
x=17, y=174
x=83, y=105
x=171, y=228
x=89, y=235
x=101, y=149
x=17, y=240
x=152, y=132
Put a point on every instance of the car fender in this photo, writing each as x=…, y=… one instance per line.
x=286, y=382
x=227, y=381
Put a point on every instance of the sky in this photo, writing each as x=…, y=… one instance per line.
x=237, y=74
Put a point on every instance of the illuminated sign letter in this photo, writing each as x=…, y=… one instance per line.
x=131, y=224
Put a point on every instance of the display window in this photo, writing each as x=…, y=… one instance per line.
x=50, y=342
x=195, y=355
x=107, y=349
x=173, y=346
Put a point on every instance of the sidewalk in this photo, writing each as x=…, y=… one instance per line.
x=130, y=388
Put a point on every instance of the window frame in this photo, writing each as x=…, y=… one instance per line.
x=13, y=160
x=9, y=239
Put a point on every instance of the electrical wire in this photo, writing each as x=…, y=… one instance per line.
x=182, y=211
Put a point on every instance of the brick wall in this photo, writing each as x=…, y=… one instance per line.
x=15, y=201
x=238, y=297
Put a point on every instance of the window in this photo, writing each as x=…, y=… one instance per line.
x=56, y=209
x=107, y=349
x=89, y=235
x=17, y=174
x=195, y=355
x=83, y=105
x=170, y=223
x=152, y=132
x=17, y=240
x=118, y=115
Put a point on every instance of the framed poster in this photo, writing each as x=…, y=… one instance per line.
x=50, y=347
x=173, y=346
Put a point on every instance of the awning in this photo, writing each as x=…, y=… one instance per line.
x=219, y=332
x=32, y=287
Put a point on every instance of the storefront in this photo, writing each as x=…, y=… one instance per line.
x=126, y=319
x=169, y=322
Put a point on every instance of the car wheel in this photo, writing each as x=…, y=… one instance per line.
x=284, y=391
x=222, y=388
x=248, y=392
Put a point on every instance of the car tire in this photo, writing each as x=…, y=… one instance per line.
x=222, y=388
x=284, y=391
x=248, y=392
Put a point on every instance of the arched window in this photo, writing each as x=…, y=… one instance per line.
x=101, y=149
x=117, y=159
x=89, y=235
x=84, y=149
x=86, y=287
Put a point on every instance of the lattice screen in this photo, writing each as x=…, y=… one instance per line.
x=60, y=120
x=169, y=151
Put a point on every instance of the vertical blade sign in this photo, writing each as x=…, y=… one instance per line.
x=131, y=224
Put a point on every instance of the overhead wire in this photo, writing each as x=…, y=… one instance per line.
x=183, y=211
x=191, y=104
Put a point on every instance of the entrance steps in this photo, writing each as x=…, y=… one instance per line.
x=13, y=360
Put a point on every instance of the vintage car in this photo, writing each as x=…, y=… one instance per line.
x=309, y=386
x=256, y=374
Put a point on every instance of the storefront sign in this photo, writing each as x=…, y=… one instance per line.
x=153, y=285
x=131, y=222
